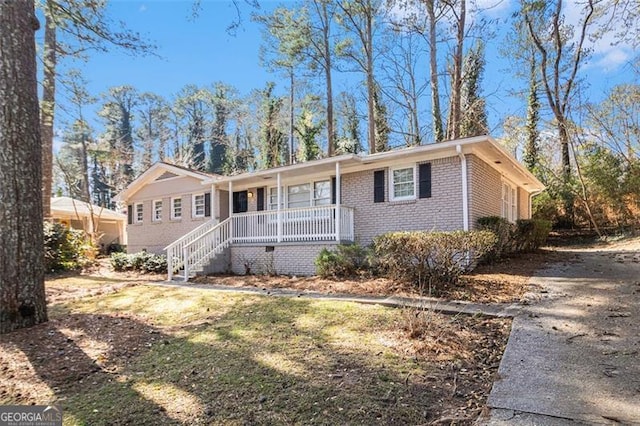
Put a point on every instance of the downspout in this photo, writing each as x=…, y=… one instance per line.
x=465, y=188
x=531, y=195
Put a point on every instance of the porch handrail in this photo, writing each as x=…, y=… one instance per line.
x=300, y=224
x=175, y=249
x=206, y=246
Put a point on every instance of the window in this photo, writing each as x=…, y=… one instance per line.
x=139, y=212
x=176, y=208
x=509, y=202
x=298, y=195
x=322, y=193
x=273, y=198
x=302, y=195
x=157, y=211
x=198, y=205
x=403, y=183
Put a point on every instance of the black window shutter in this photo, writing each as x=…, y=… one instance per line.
x=260, y=201
x=378, y=186
x=207, y=204
x=129, y=214
x=424, y=175
x=236, y=198
x=333, y=190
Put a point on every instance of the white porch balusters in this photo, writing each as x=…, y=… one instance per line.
x=279, y=210
x=338, y=216
x=231, y=209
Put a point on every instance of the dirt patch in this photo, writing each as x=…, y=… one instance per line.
x=504, y=281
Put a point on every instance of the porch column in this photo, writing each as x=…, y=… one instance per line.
x=214, y=203
x=231, y=210
x=338, y=217
x=279, y=210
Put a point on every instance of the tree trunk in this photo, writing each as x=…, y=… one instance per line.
x=331, y=144
x=455, y=112
x=436, y=113
x=291, y=100
x=568, y=197
x=22, y=297
x=47, y=108
x=370, y=85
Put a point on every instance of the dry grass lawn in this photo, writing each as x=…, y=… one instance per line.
x=122, y=352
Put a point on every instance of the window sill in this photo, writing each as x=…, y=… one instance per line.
x=399, y=202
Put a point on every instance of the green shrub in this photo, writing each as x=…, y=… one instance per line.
x=431, y=258
x=120, y=261
x=347, y=260
x=65, y=248
x=530, y=234
x=141, y=261
x=504, y=231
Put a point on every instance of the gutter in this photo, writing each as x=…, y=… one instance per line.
x=465, y=188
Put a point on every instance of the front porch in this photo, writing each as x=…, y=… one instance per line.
x=305, y=224
x=210, y=243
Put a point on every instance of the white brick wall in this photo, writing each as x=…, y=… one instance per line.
x=443, y=211
x=285, y=259
x=485, y=190
x=155, y=236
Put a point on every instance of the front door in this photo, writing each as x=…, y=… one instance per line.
x=240, y=202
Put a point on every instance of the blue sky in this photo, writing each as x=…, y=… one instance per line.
x=201, y=52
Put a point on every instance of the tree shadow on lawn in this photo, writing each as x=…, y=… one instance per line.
x=265, y=362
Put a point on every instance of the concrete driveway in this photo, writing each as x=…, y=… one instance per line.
x=573, y=356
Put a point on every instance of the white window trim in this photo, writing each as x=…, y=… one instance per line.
x=153, y=211
x=135, y=213
x=274, y=206
x=173, y=211
x=392, y=196
x=511, y=213
x=285, y=195
x=313, y=193
x=309, y=199
x=193, y=206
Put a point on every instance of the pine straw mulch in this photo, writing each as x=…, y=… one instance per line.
x=505, y=281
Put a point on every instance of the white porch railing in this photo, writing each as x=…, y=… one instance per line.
x=306, y=224
x=303, y=224
x=186, y=246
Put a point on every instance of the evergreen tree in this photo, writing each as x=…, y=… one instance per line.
x=273, y=151
x=117, y=114
x=152, y=131
x=222, y=105
x=349, y=139
x=381, y=121
x=308, y=130
x=193, y=108
x=71, y=161
x=474, y=113
x=530, y=157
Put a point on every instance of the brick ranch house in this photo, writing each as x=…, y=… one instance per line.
x=277, y=220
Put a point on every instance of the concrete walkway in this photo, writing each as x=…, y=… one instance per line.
x=439, y=305
x=573, y=356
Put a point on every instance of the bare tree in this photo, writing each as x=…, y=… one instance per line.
x=561, y=57
x=22, y=297
x=358, y=17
